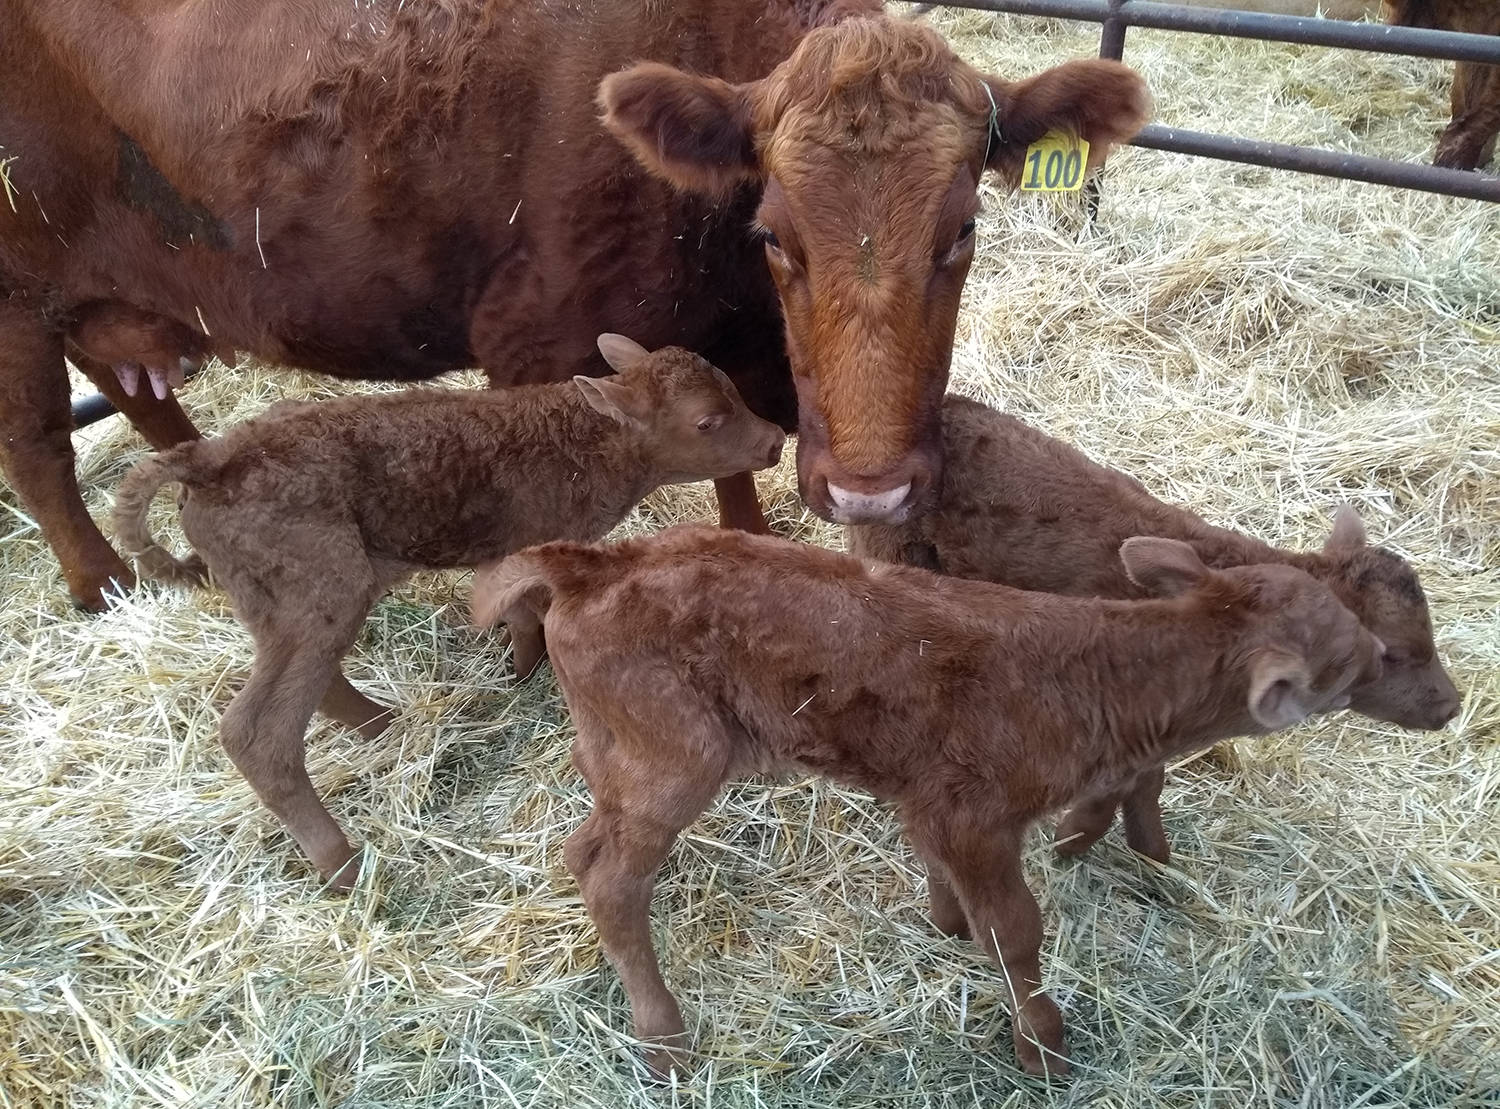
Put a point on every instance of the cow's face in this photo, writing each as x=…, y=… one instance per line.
x=868, y=144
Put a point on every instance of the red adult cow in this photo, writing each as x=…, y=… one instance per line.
x=1468, y=142
x=389, y=189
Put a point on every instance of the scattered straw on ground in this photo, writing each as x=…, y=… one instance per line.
x=1257, y=344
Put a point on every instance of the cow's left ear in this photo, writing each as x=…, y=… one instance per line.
x=692, y=131
x=1103, y=102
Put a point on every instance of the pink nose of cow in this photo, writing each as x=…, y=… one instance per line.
x=850, y=507
x=846, y=496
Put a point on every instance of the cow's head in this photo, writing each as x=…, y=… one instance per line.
x=868, y=144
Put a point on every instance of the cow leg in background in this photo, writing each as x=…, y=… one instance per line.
x=739, y=506
x=757, y=364
x=1469, y=140
x=162, y=423
x=36, y=452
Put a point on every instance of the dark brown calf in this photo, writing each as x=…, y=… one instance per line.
x=696, y=656
x=308, y=514
x=1023, y=509
x=1468, y=142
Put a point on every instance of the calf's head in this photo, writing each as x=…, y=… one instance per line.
x=689, y=418
x=1413, y=690
x=1302, y=652
x=867, y=146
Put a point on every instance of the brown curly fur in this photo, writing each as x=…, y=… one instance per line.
x=694, y=656
x=306, y=515
x=1026, y=510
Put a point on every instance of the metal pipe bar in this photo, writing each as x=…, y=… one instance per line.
x=90, y=410
x=1378, y=38
x=1112, y=37
x=1324, y=163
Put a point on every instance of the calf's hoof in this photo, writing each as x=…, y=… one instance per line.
x=1041, y=1060
x=339, y=877
x=1155, y=849
x=1072, y=841
x=667, y=1060
x=375, y=727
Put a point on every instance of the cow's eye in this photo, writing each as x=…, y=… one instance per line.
x=710, y=423
x=769, y=238
x=965, y=232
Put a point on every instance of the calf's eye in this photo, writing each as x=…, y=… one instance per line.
x=709, y=423
x=769, y=238
x=966, y=231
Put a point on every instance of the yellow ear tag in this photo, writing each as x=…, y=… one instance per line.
x=1055, y=164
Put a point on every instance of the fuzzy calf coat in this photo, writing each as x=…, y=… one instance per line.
x=1023, y=509
x=696, y=656
x=308, y=514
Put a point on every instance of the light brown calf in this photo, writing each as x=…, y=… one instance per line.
x=307, y=515
x=696, y=656
x=1026, y=510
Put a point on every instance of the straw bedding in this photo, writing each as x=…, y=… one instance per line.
x=1257, y=344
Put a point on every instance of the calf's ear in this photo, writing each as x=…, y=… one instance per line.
x=1102, y=102
x=621, y=353
x=1348, y=532
x=625, y=404
x=1279, y=693
x=692, y=131
x=1162, y=567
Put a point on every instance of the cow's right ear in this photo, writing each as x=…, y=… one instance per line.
x=692, y=131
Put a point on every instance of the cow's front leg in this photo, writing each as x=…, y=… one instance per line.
x=1469, y=140
x=36, y=452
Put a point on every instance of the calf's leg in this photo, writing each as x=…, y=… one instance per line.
x=645, y=793
x=350, y=707
x=1140, y=800
x=1085, y=823
x=36, y=452
x=947, y=913
x=301, y=634
x=1142, y=810
x=984, y=865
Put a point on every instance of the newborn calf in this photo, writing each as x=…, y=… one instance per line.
x=696, y=656
x=308, y=514
x=1023, y=509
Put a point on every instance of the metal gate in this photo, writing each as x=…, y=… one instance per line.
x=1118, y=15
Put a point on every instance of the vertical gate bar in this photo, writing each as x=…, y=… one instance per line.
x=1112, y=46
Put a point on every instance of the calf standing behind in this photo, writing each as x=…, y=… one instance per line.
x=307, y=515
x=1023, y=509
x=696, y=656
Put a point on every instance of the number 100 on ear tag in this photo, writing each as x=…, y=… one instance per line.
x=1055, y=164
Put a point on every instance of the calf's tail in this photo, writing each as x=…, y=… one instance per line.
x=132, y=502
x=516, y=591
